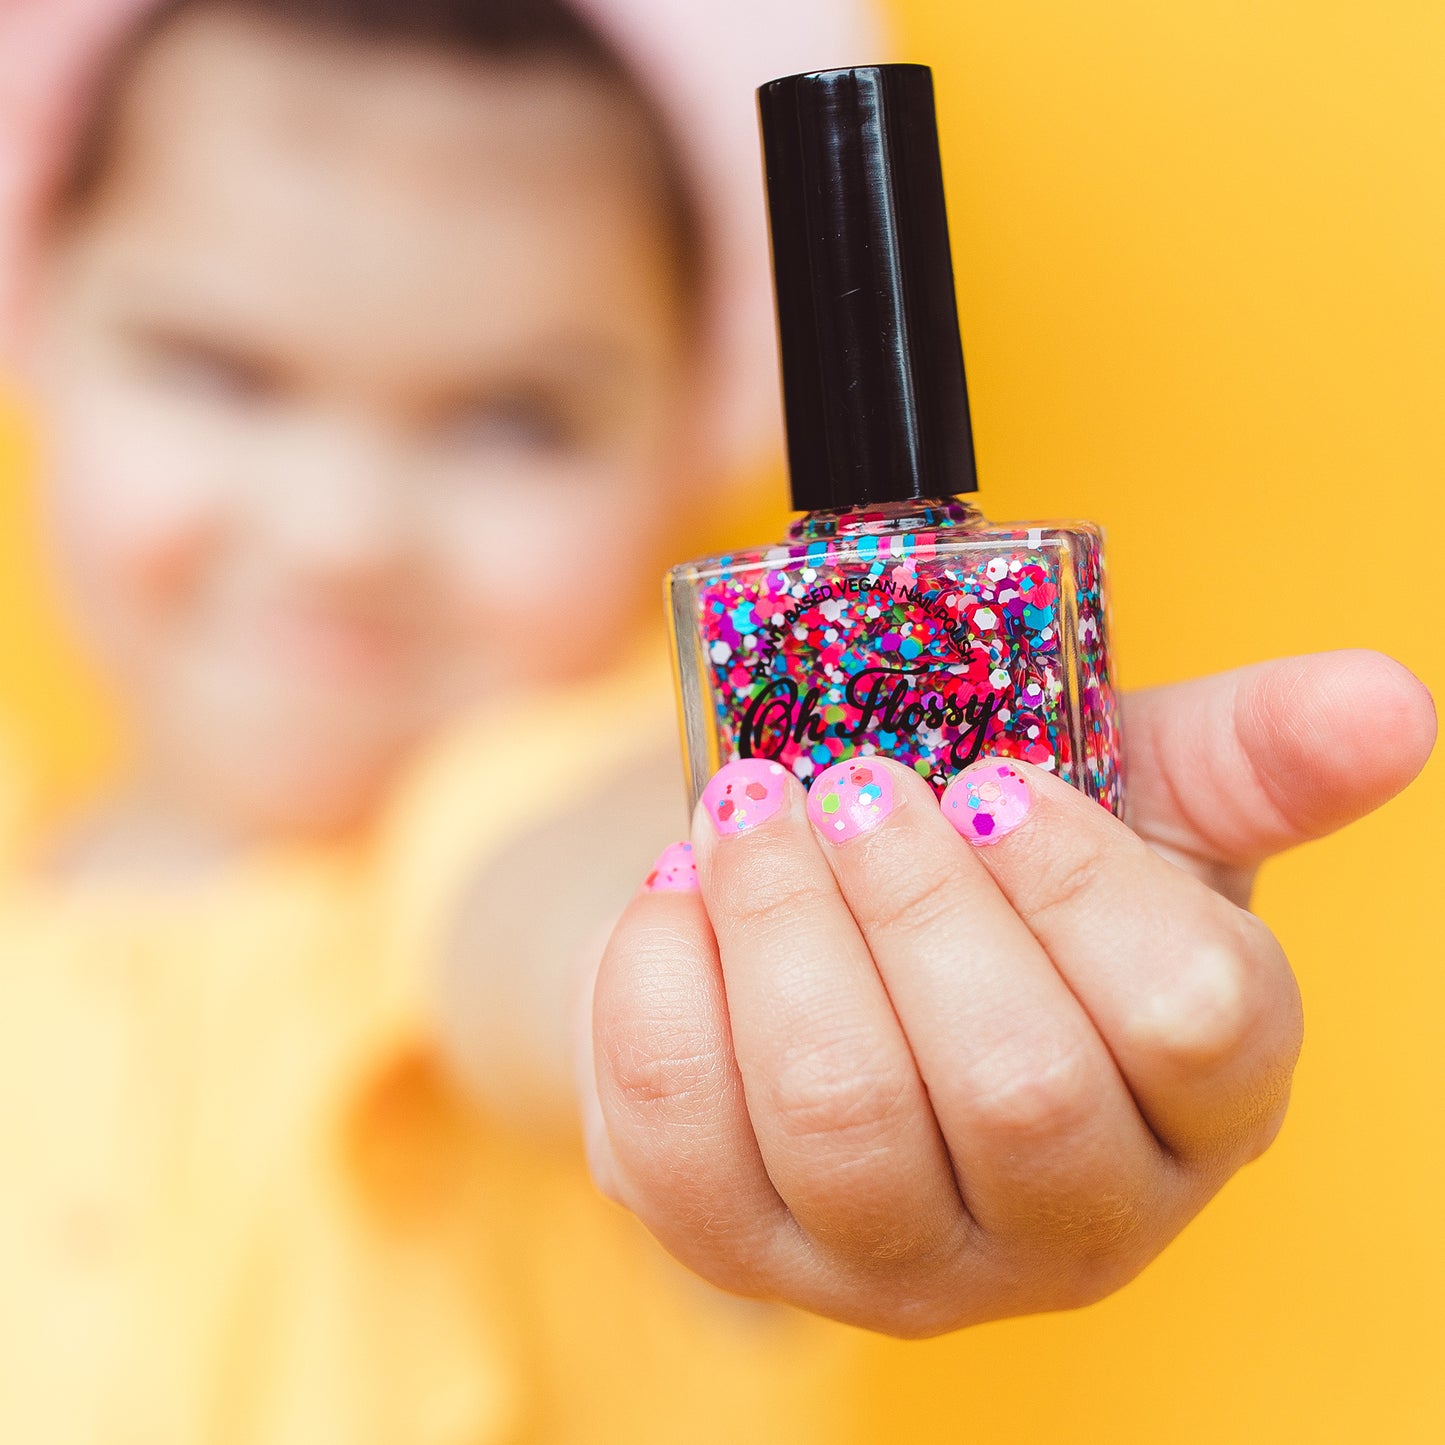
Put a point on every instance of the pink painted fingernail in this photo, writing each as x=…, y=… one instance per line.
x=987, y=801
x=745, y=793
x=674, y=872
x=850, y=798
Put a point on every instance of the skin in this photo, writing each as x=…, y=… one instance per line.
x=914, y=1084
x=340, y=341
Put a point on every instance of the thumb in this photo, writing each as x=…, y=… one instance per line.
x=1232, y=768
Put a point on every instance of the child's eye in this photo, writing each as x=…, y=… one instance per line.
x=208, y=370
x=523, y=422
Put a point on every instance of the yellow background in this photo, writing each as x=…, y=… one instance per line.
x=1201, y=260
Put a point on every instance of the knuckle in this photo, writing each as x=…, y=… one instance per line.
x=765, y=892
x=1285, y=1008
x=658, y=1048
x=836, y=1090
x=1232, y=998
x=1204, y=1015
x=1068, y=880
x=1022, y=1099
x=1276, y=978
x=916, y=903
x=663, y=1070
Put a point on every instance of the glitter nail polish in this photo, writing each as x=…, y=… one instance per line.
x=674, y=872
x=743, y=794
x=987, y=801
x=850, y=799
x=894, y=618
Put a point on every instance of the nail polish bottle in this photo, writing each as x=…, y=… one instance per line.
x=894, y=619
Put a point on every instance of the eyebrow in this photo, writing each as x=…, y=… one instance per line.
x=598, y=374
x=250, y=352
x=196, y=318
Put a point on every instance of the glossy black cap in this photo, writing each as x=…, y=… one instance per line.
x=873, y=383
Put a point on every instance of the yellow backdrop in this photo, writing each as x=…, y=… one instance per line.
x=1201, y=264
x=1201, y=258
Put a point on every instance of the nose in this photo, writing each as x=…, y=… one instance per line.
x=332, y=503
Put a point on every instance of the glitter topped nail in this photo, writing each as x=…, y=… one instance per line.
x=743, y=794
x=850, y=798
x=987, y=801
x=674, y=872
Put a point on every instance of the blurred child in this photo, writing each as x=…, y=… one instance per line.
x=379, y=352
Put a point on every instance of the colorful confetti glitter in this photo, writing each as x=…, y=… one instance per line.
x=987, y=802
x=674, y=872
x=850, y=798
x=745, y=793
x=920, y=632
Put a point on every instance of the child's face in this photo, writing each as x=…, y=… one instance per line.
x=365, y=375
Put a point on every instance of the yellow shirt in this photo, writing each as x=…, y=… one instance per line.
x=241, y=1203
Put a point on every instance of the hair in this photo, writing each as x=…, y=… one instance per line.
x=507, y=31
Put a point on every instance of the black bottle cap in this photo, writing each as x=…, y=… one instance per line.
x=873, y=383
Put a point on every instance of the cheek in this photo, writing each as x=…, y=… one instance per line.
x=134, y=502
x=556, y=580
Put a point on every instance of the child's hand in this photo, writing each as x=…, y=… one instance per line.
x=944, y=1070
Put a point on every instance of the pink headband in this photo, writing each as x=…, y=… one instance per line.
x=702, y=58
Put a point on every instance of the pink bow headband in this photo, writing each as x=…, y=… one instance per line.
x=701, y=58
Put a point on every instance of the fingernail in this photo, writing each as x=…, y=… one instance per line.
x=850, y=798
x=987, y=801
x=674, y=872
x=744, y=793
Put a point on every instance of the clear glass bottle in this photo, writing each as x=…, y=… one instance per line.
x=894, y=619
x=916, y=630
